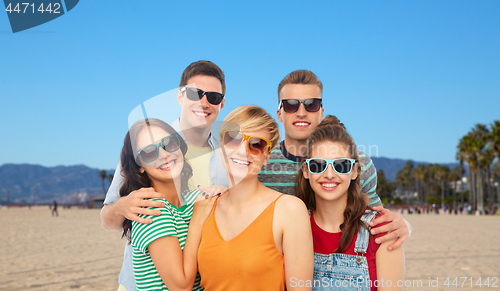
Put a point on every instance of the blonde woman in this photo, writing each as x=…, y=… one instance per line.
x=254, y=238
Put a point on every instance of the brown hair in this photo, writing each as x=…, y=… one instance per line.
x=303, y=77
x=331, y=120
x=133, y=179
x=330, y=131
x=206, y=68
x=251, y=118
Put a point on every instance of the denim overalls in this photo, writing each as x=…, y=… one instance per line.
x=345, y=272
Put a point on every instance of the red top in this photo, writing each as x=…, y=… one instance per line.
x=327, y=242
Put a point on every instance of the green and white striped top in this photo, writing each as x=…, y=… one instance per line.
x=279, y=173
x=172, y=221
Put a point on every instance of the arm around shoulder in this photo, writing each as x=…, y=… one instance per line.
x=111, y=220
x=297, y=242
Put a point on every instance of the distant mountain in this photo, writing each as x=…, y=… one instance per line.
x=38, y=184
x=392, y=166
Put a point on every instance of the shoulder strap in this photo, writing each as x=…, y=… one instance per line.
x=278, y=198
x=364, y=234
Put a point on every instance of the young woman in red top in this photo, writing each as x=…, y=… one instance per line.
x=346, y=255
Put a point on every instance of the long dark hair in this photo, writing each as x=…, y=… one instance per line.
x=331, y=130
x=133, y=179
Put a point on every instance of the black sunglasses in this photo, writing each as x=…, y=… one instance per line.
x=293, y=105
x=193, y=94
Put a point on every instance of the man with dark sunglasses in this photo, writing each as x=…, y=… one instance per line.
x=300, y=109
x=201, y=97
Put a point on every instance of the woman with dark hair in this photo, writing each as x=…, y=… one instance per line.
x=164, y=254
x=345, y=253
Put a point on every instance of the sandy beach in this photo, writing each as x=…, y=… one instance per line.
x=74, y=252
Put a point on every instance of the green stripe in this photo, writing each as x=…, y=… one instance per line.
x=276, y=151
x=371, y=178
x=278, y=184
x=372, y=190
x=282, y=161
x=367, y=166
x=278, y=172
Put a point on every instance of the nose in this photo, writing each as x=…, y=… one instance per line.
x=329, y=172
x=302, y=110
x=242, y=148
x=204, y=101
x=162, y=153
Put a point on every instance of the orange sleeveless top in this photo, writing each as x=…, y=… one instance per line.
x=250, y=261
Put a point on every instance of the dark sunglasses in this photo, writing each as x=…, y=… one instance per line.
x=193, y=94
x=341, y=166
x=256, y=145
x=292, y=105
x=150, y=153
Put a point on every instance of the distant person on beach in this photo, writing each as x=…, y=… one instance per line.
x=200, y=108
x=164, y=251
x=345, y=253
x=54, y=208
x=301, y=110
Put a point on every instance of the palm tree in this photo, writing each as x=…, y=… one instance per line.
x=404, y=179
x=419, y=174
x=485, y=161
x=456, y=177
x=480, y=133
x=384, y=187
x=441, y=176
x=495, y=146
x=466, y=154
x=102, y=175
x=109, y=177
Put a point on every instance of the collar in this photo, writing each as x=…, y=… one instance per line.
x=288, y=155
x=177, y=126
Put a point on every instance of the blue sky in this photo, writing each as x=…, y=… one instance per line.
x=408, y=78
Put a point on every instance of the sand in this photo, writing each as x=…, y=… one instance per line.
x=74, y=252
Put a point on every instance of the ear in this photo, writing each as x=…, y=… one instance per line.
x=322, y=113
x=278, y=113
x=267, y=156
x=354, y=172
x=141, y=170
x=179, y=97
x=305, y=171
x=222, y=103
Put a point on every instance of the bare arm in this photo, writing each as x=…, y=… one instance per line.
x=398, y=229
x=178, y=268
x=297, y=243
x=113, y=215
x=390, y=267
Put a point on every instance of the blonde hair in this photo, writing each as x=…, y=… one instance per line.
x=251, y=118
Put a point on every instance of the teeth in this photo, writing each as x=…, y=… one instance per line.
x=200, y=113
x=240, y=162
x=166, y=166
x=302, y=124
x=329, y=185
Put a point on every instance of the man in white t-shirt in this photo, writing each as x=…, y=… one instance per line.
x=201, y=97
